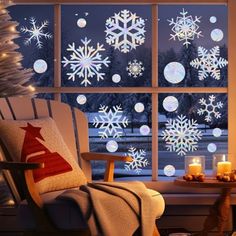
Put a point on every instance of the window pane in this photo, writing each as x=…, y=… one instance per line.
x=191, y=124
x=106, y=46
x=118, y=124
x=192, y=45
x=36, y=40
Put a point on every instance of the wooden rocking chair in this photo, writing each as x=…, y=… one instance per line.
x=73, y=125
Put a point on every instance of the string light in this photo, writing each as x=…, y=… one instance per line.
x=31, y=88
x=12, y=29
x=4, y=55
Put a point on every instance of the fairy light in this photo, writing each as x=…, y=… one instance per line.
x=12, y=29
x=31, y=88
x=4, y=55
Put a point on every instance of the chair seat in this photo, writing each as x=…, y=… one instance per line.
x=66, y=215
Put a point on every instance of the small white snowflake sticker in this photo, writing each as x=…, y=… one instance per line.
x=36, y=32
x=110, y=121
x=185, y=28
x=139, y=161
x=181, y=135
x=85, y=62
x=210, y=108
x=135, y=68
x=125, y=31
x=209, y=63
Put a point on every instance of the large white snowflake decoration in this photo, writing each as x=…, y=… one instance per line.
x=110, y=121
x=209, y=63
x=185, y=28
x=85, y=62
x=139, y=161
x=135, y=68
x=181, y=135
x=125, y=31
x=36, y=32
x=211, y=108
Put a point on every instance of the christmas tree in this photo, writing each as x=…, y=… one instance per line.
x=14, y=80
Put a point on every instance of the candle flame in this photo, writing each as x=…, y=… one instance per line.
x=196, y=160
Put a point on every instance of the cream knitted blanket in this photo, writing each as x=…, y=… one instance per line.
x=116, y=209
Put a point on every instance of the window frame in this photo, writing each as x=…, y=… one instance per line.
x=154, y=90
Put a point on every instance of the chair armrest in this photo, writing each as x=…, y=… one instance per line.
x=109, y=173
x=22, y=166
x=91, y=156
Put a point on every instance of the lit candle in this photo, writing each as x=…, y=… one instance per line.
x=194, y=168
x=223, y=166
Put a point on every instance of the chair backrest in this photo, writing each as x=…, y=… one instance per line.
x=71, y=122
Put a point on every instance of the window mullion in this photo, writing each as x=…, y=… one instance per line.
x=57, y=49
x=154, y=95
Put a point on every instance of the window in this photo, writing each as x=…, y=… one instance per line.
x=153, y=79
x=193, y=53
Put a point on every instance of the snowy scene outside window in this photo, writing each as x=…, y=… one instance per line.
x=192, y=46
x=110, y=46
x=114, y=46
x=191, y=124
x=36, y=41
x=118, y=124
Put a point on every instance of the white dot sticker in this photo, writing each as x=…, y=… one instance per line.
x=81, y=22
x=217, y=35
x=40, y=66
x=116, y=78
x=144, y=130
x=81, y=99
x=213, y=19
x=174, y=72
x=211, y=147
x=112, y=146
x=139, y=107
x=217, y=132
x=169, y=170
x=170, y=103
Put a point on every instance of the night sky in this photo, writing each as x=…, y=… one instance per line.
x=96, y=16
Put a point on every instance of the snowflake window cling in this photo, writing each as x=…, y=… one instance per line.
x=110, y=121
x=211, y=108
x=185, y=28
x=135, y=68
x=209, y=63
x=125, y=31
x=85, y=61
x=139, y=161
x=181, y=135
x=36, y=32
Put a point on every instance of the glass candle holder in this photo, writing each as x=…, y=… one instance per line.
x=194, y=165
x=221, y=164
